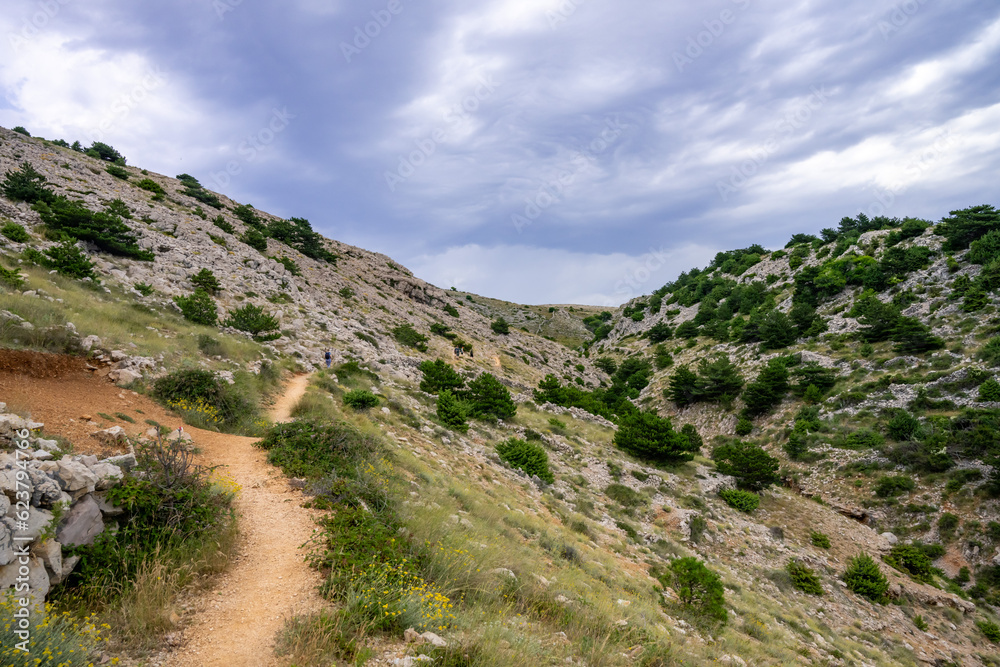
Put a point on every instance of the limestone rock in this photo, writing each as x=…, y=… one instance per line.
x=433, y=639
x=75, y=478
x=107, y=474
x=111, y=436
x=124, y=376
x=82, y=524
x=90, y=342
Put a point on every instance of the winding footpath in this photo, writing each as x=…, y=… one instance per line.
x=236, y=621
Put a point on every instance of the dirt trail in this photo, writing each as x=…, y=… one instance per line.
x=236, y=622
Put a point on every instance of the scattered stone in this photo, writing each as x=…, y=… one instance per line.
x=114, y=436
x=82, y=524
x=434, y=640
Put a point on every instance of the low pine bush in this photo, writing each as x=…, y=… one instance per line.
x=207, y=281
x=989, y=391
x=819, y=539
x=744, y=501
x=864, y=577
x=149, y=185
x=406, y=335
x=500, y=326
x=66, y=258
x=700, y=589
x=254, y=320
x=803, y=578
x=526, y=456
x=15, y=232
x=911, y=560
x=117, y=171
x=452, y=412
x=360, y=399
x=990, y=630
x=890, y=486
x=198, y=307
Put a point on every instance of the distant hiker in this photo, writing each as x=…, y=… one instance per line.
x=328, y=357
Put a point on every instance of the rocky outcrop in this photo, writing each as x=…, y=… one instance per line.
x=67, y=505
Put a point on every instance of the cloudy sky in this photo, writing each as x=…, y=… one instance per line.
x=543, y=151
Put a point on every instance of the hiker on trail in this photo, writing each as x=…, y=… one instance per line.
x=328, y=357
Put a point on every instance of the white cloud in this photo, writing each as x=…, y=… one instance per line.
x=515, y=272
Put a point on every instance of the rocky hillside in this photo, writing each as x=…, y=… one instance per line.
x=861, y=363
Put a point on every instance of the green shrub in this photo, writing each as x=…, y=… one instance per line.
x=753, y=468
x=150, y=185
x=298, y=233
x=254, y=320
x=990, y=630
x=526, y=456
x=500, y=326
x=15, y=232
x=991, y=351
x=225, y=226
x=117, y=171
x=452, y=412
x=910, y=559
x=207, y=281
x=105, y=229
x=903, y=426
x=360, y=399
x=489, y=399
x=698, y=588
x=625, y=496
x=66, y=258
x=819, y=539
x=168, y=502
x=963, y=227
x=438, y=375
x=144, y=289
x=864, y=439
x=290, y=265
x=200, y=392
x=744, y=426
x=255, y=239
x=894, y=485
x=451, y=310
x=406, y=335
x=20, y=130
x=803, y=578
x=920, y=623
x=313, y=450
x=198, y=308
x=989, y=391
x=864, y=577
x=985, y=249
x=27, y=185
x=744, y=501
x=11, y=278
x=649, y=437
x=102, y=151
x=947, y=524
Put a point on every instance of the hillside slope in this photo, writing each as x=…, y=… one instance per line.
x=868, y=352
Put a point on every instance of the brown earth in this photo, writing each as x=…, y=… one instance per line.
x=235, y=621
